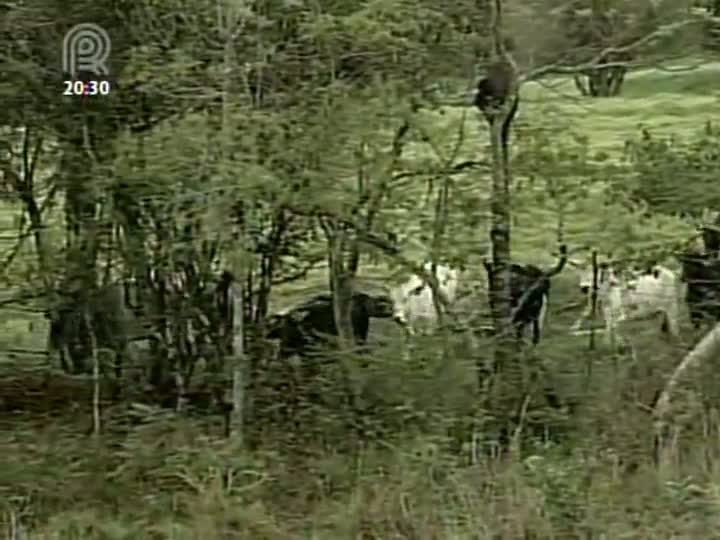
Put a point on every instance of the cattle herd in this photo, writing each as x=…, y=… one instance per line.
x=622, y=293
x=619, y=292
x=639, y=293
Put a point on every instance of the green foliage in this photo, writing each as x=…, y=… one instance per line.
x=161, y=482
x=673, y=175
x=563, y=482
x=270, y=114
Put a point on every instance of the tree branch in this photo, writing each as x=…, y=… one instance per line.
x=558, y=69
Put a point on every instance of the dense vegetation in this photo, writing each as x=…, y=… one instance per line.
x=306, y=147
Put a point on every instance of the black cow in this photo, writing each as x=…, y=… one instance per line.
x=303, y=328
x=110, y=318
x=531, y=285
x=701, y=272
x=117, y=320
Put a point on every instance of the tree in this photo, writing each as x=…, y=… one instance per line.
x=599, y=41
x=657, y=161
x=228, y=141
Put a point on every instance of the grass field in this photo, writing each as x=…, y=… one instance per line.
x=176, y=478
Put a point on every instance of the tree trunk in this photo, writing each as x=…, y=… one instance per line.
x=500, y=242
x=605, y=81
x=580, y=85
x=230, y=15
x=341, y=287
x=707, y=350
x=88, y=320
x=493, y=379
x=340, y=284
x=606, y=78
x=240, y=373
x=440, y=220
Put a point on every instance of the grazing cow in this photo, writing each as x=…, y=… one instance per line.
x=529, y=293
x=413, y=306
x=302, y=328
x=652, y=291
x=701, y=273
x=116, y=320
x=69, y=335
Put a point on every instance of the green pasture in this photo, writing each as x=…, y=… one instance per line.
x=673, y=102
x=664, y=102
x=169, y=480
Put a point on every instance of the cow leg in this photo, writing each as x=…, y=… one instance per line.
x=618, y=340
x=363, y=351
x=408, y=332
x=670, y=325
x=406, y=346
x=77, y=359
x=697, y=316
x=587, y=314
x=64, y=356
x=536, y=332
x=696, y=320
x=610, y=330
x=119, y=357
x=117, y=384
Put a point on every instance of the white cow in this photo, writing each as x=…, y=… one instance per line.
x=413, y=305
x=641, y=295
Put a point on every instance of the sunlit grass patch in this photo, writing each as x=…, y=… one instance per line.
x=670, y=102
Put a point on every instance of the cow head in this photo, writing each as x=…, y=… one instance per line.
x=606, y=275
x=275, y=326
x=380, y=306
x=402, y=295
